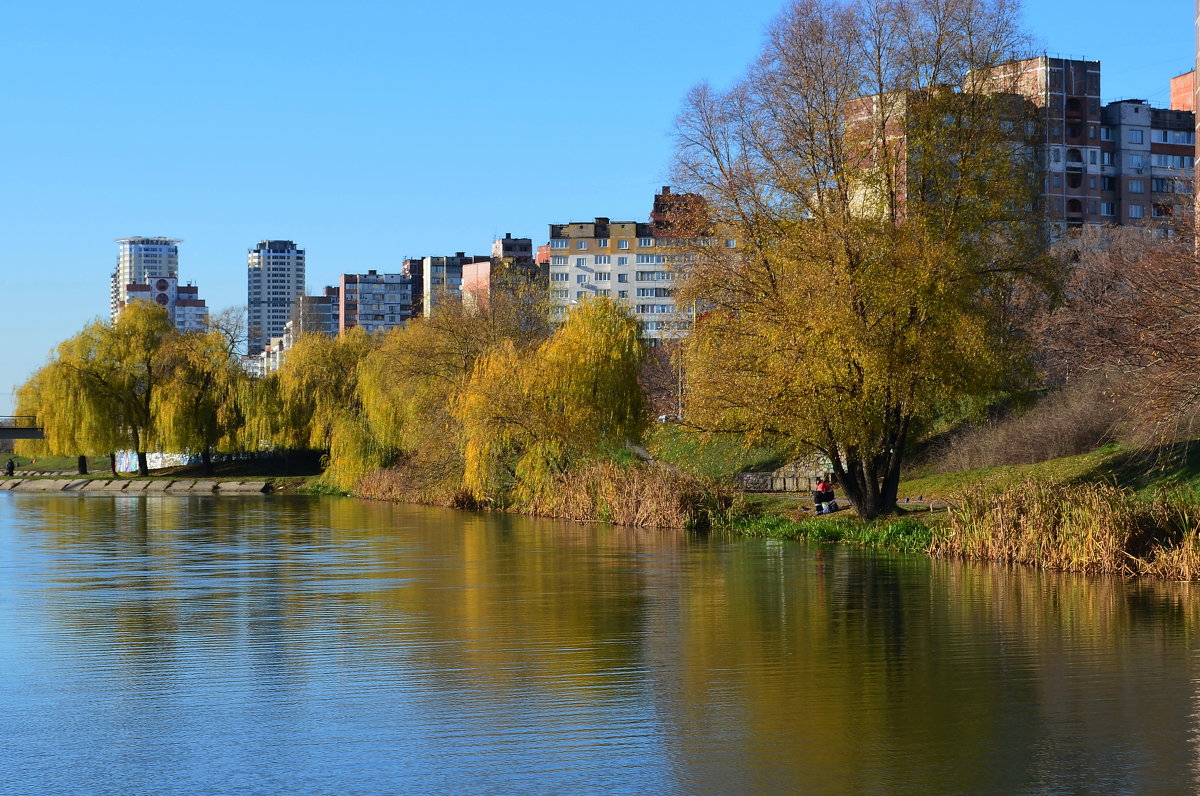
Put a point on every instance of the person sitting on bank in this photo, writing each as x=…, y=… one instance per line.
x=826, y=504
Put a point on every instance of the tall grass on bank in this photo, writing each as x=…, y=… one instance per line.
x=1091, y=528
x=639, y=495
x=642, y=495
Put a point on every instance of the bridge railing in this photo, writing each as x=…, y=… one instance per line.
x=20, y=427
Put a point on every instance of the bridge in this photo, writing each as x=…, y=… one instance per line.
x=20, y=427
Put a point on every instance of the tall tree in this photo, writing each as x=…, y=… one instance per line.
x=527, y=417
x=99, y=391
x=881, y=221
x=199, y=404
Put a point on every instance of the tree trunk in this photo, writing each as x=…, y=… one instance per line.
x=206, y=457
x=872, y=484
x=112, y=463
x=83, y=465
x=143, y=466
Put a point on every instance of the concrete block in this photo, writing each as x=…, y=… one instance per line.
x=133, y=487
x=77, y=485
x=204, y=487
x=95, y=485
x=115, y=486
x=180, y=486
x=9, y=483
x=157, y=486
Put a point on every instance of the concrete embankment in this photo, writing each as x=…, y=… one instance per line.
x=134, y=487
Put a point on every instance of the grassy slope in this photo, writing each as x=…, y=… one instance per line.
x=1174, y=466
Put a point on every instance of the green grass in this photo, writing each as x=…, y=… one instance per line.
x=897, y=533
x=719, y=457
x=56, y=463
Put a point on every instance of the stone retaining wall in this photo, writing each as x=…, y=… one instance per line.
x=129, y=486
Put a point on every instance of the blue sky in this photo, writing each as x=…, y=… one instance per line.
x=371, y=131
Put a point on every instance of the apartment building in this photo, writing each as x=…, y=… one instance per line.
x=148, y=270
x=316, y=314
x=274, y=284
x=1120, y=163
x=140, y=260
x=376, y=302
x=435, y=278
x=630, y=261
x=184, y=306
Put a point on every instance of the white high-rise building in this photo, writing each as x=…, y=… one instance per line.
x=274, y=283
x=140, y=260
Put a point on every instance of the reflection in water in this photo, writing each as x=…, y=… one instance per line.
x=183, y=644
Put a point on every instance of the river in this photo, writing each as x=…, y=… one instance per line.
x=172, y=645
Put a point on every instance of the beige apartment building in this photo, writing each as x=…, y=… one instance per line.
x=630, y=261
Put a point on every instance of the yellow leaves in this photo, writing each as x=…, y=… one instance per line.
x=527, y=416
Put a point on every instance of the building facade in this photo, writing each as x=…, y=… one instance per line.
x=376, y=302
x=183, y=304
x=148, y=270
x=1121, y=163
x=140, y=260
x=274, y=285
x=623, y=260
x=440, y=277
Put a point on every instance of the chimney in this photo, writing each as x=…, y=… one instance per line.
x=666, y=191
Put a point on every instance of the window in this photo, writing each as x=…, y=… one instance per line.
x=578, y=294
x=645, y=241
x=580, y=262
x=1135, y=136
x=1106, y=134
x=1137, y=162
x=649, y=259
x=1160, y=211
x=622, y=261
x=1158, y=136
x=622, y=244
x=654, y=276
x=560, y=294
x=580, y=279
x=603, y=276
x=605, y=292
x=622, y=294
x=1160, y=185
x=1106, y=158
x=1055, y=154
x=558, y=259
x=602, y=259
x=1136, y=211
x=1091, y=182
x=601, y=243
x=558, y=243
x=1056, y=180
x=1108, y=209
x=1093, y=156
x=730, y=243
x=1106, y=183
x=1092, y=131
x=1183, y=137
x=581, y=245
x=1137, y=186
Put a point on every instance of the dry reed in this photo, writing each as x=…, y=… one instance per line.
x=1092, y=528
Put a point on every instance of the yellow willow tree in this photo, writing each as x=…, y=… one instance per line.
x=199, y=405
x=528, y=417
x=317, y=394
x=409, y=384
x=877, y=171
x=98, y=393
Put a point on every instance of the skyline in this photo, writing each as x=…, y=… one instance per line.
x=228, y=124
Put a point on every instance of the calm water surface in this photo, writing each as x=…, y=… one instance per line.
x=163, y=645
